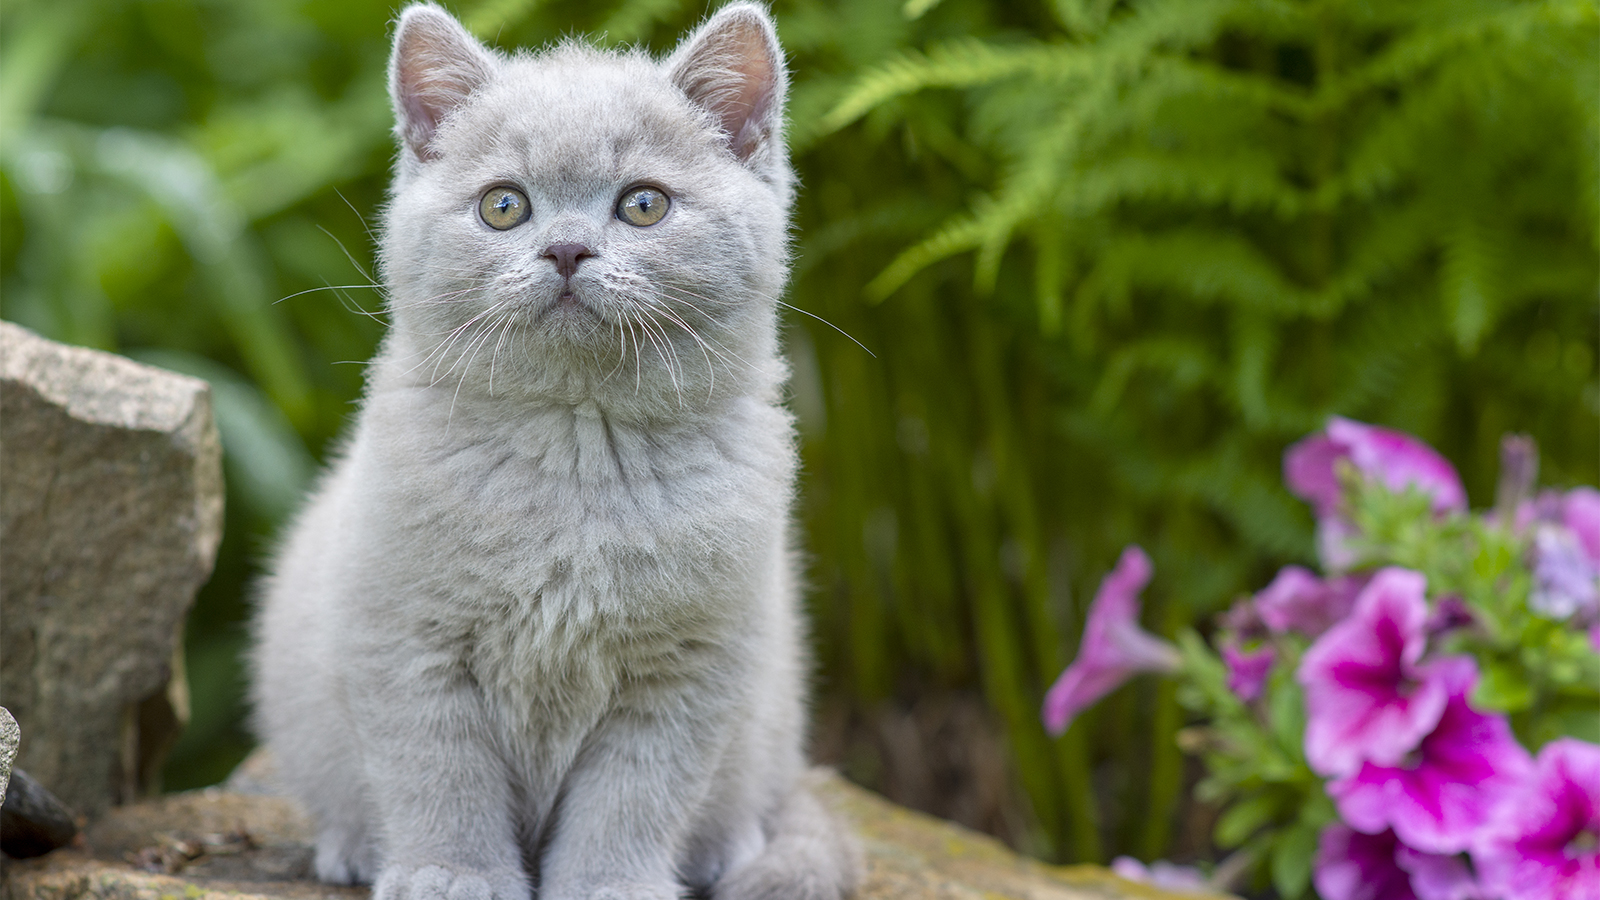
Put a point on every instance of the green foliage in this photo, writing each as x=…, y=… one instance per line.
x=1111, y=257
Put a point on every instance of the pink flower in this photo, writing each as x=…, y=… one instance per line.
x=1299, y=601
x=1355, y=866
x=1162, y=874
x=1367, y=695
x=1442, y=795
x=1114, y=647
x=1248, y=669
x=1438, y=877
x=1547, y=845
x=1397, y=460
x=1394, y=459
x=1580, y=512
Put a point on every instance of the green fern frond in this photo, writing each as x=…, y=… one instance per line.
x=1243, y=182
x=1469, y=277
x=1205, y=266
x=963, y=62
x=1185, y=362
x=956, y=236
x=1408, y=57
x=1379, y=253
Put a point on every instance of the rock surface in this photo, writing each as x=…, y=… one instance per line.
x=32, y=821
x=216, y=844
x=10, y=735
x=110, y=515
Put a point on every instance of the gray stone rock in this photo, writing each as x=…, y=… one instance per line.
x=32, y=821
x=110, y=515
x=10, y=735
x=8, y=739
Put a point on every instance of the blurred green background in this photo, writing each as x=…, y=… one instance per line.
x=1110, y=259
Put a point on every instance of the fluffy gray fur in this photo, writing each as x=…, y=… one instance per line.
x=536, y=630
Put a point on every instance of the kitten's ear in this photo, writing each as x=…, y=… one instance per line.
x=732, y=67
x=436, y=65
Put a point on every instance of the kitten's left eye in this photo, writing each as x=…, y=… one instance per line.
x=642, y=206
x=503, y=207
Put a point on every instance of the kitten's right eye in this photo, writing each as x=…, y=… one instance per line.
x=503, y=207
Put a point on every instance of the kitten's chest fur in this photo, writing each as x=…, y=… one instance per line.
x=565, y=554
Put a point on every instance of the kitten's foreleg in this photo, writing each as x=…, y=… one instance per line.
x=625, y=807
x=810, y=856
x=441, y=793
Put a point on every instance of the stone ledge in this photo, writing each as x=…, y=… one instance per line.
x=221, y=845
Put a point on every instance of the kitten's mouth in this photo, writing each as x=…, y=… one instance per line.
x=566, y=303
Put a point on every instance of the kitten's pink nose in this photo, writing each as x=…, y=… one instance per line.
x=567, y=257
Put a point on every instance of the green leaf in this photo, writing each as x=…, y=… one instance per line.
x=1504, y=688
x=1246, y=817
x=1292, y=854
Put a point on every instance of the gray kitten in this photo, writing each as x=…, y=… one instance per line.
x=537, y=627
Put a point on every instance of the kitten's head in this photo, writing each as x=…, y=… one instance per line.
x=578, y=224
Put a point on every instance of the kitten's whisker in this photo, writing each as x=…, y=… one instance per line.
x=475, y=345
x=705, y=349
x=504, y=330
x=779, y=302
x=371, y=235
x=638, y=364
x=327, y=287
x=443, y=348
x=829, y=324
x=723, y=346
x=346, y=251
x=673, y=365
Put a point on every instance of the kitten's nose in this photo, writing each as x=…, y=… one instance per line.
x=567, y=257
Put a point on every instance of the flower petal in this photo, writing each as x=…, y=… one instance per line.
x=1355, y=866
x=1580, y=511
x=1248, y=669
x=1545, y=845
x=1438, y=877
x=1298, y=601
x=1400, y=461
x=1113, y=647
x=1308, y=470
x=1457, y=782
x=1366, y=696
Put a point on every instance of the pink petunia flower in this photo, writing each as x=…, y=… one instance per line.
x=1353, y=866
x=1392, y=458
x=1248, y=669
x=1299, y=601
x=1547, y=845
x=1580, y=512
x=1368, y=696
x=1437, y=876
x=1439, y=798
x=1114, y=647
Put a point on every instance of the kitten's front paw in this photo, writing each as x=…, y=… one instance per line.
x=636, y=891
x=613, y=890
x=440, y=883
